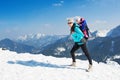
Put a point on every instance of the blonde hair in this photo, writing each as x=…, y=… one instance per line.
x=70, y=20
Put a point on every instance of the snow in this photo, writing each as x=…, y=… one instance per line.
x=27, y=66
x=31, y=36
x=117, y=57
x=109, y=60
x=102, y=33
x=61, y=49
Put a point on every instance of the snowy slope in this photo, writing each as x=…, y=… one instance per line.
x=100, y=33
x=39, y=67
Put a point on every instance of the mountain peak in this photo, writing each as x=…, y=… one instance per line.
x=31, y=36
x=6, y=40
x=100, y=33
x=115, y=32
x=15, y=46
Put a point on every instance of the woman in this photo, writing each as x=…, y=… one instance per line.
x=78, y=38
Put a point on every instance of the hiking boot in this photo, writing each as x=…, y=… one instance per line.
x=73, y=64
x=89, y=68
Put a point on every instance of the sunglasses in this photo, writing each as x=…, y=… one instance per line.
x=70, y=23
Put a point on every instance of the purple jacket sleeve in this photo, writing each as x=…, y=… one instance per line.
x=83, y=25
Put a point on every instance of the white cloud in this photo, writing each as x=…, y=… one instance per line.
x=58, y=4
x=92, y=0
x=47, y=25
x=100, y=22
x=8, y=31
x=61, y=1
x=83, y=6
x=99, y=25
x=12, y=30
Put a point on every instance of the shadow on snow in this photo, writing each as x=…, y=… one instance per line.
x=32, y=63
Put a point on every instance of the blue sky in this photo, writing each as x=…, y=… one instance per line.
x=19, y=17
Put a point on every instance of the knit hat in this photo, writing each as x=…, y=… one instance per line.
x=77, y=18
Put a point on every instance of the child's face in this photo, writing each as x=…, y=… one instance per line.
x=78, y=21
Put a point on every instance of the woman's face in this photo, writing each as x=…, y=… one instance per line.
x=70, y=24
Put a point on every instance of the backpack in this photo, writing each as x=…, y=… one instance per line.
x=84, y=28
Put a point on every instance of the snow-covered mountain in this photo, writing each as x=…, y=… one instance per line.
x=29, y=43
x=114, y=32
x=100, y=33
x=15, y=46
x=107, y=33
x=30, y=36
x=104, y=47
x=60, y=46
x=38, y=40
x=26, y=66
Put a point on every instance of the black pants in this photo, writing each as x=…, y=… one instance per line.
x=84, y=49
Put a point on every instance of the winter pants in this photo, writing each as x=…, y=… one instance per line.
x=84, y=49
